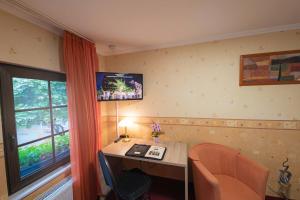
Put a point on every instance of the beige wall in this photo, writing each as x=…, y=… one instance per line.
x=25, y=44
x=185, y=86
x=203, y=81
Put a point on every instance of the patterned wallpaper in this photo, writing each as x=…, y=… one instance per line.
x=202, y=80
x=27, y=44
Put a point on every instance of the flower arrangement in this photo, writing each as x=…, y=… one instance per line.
x=156, y=130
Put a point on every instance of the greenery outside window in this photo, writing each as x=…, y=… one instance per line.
x=35, y=123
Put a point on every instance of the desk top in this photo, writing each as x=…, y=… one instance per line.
x=176, y=154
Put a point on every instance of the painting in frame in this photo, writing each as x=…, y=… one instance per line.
x=270, y=68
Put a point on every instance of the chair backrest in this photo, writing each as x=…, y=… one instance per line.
x=106, y=170
x=218, y=159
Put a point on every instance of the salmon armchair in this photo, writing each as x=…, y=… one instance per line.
x=222, y=173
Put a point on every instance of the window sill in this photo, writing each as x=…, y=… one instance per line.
x=39, y=183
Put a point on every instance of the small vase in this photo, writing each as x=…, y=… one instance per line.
x=156, y=140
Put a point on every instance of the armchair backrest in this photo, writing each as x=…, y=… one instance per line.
x=252, y=174
x=218, y=159
x=222, y=160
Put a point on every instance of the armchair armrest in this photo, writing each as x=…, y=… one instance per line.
x=206, y=185
x=252, y=174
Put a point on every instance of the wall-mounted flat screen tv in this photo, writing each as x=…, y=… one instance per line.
x=119, y=86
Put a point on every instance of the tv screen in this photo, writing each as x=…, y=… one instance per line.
x=119, y=86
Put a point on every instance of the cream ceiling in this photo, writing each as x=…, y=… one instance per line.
x=135, y=25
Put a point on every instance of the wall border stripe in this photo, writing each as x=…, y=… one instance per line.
x=210, y=122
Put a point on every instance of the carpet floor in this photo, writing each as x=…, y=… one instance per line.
x=168, y=189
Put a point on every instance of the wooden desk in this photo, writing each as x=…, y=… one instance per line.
x=176, y=154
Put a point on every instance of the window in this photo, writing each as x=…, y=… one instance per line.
x=35, y=123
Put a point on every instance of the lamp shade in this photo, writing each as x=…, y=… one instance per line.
x=125, y=122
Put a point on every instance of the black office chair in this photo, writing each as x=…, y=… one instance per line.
x=130, y=185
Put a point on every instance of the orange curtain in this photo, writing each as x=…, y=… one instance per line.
x=81, y=62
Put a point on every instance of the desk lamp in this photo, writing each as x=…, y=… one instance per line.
x=125, y=123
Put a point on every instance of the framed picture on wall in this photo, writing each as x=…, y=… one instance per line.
x=270, y=68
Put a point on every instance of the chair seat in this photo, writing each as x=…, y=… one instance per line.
x=132, y=184
x=233, y=189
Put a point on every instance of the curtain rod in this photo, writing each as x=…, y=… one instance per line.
x=45, y=18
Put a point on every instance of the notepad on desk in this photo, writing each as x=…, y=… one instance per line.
x=156, y=152
x=147, y=151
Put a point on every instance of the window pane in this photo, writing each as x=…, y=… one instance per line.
x=62, y=145
x=58, y=93
x=30, y=93
x=35, y=156
x=32, y=125
x=60, y=120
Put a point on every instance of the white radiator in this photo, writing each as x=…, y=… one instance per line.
x=61, y=191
